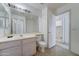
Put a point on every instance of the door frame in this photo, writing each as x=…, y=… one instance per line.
x=69, y=26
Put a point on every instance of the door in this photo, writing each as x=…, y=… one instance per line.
x=52, y=32
x=65, y=21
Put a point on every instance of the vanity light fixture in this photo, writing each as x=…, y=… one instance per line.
x=16, y=7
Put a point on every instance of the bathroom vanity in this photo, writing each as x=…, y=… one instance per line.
x=16, y=22
x=17, y=45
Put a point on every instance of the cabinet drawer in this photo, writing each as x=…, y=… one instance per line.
x=29, y=40
x=14, y=51
x=29, y=49
x=9, y=44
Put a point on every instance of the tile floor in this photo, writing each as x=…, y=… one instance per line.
x=56, y=51
x=64, y=45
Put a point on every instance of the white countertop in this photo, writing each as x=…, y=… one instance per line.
x=34, y=33
x=18, y=37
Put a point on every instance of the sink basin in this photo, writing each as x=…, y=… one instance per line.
x=9, y=36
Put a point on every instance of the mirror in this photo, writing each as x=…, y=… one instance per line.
x=4, y=21
x=23, y=22
x=16, y=22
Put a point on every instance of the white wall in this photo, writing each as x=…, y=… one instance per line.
x=32, y=24
x=36, y=25
x=74, y=25
x=43, y=23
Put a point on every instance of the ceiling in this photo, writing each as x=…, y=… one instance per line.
x=37, y=7
x=51, y=6
x=54, y=6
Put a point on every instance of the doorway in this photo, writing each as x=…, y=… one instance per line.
x=62, y=30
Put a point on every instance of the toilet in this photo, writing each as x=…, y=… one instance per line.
x=42, y=46
x=41, y=43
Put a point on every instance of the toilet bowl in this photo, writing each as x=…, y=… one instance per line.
x=42, y=46
x=41, y=43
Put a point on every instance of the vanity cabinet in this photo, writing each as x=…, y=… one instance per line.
x=22, y=47
x=11, y=48
x=29, y=47
x=14, y=51
x=5, y=45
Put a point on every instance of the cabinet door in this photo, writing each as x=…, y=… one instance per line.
x=29, y=49
x=6, y=45
x=14, y=51
x=27, y=41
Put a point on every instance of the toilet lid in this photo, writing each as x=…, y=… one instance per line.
x=42, y=42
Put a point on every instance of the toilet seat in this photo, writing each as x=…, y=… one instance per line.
x=42, y=46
